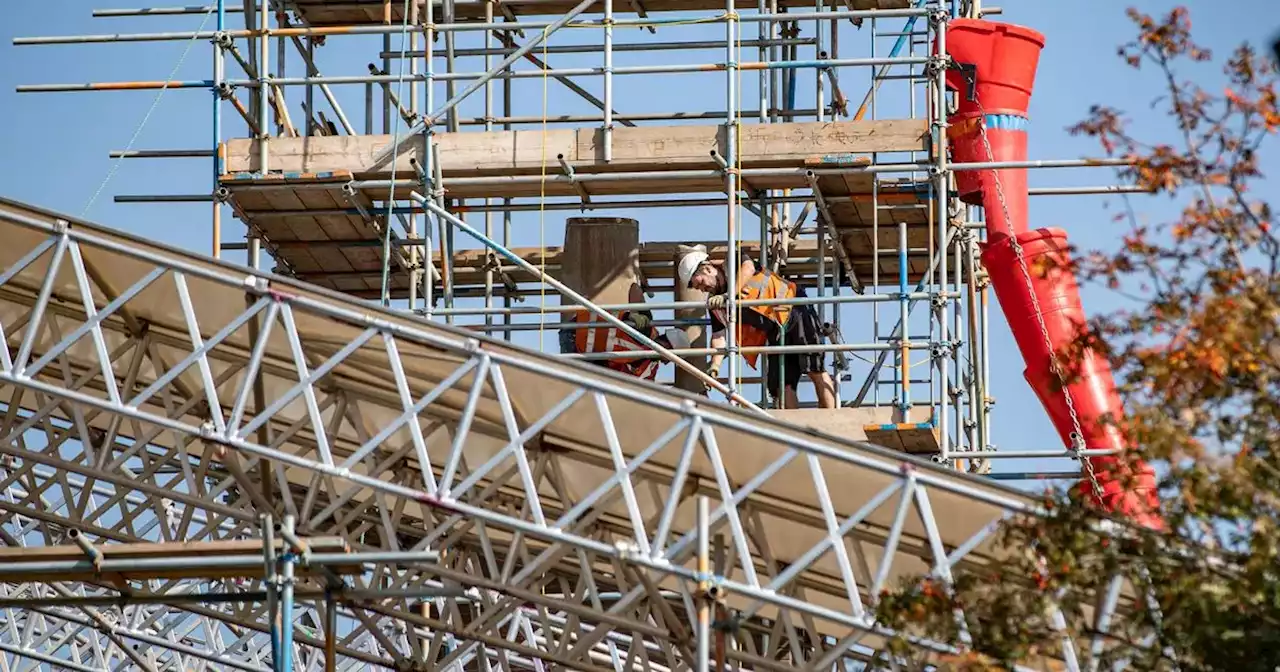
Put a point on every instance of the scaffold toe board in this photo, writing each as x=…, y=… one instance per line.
x=362, y=12
x=154, y=395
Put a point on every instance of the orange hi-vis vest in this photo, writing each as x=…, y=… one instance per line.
x=613, y=339
x=762, y=285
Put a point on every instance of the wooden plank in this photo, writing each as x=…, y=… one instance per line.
x=657, y=148
x=913, y=439
x=920, y=440
x=914, y=432
x=880, y=436
x=846, y=423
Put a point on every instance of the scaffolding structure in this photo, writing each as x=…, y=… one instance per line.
x=569, y=504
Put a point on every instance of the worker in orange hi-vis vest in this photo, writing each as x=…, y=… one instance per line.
x=608, y=338
x=762, y=325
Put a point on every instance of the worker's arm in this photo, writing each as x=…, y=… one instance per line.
x=718, y=340
x=745, y=272
x=640, y=320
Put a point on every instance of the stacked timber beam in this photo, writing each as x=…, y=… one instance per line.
x=659, y=151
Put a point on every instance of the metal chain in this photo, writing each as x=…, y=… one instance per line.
x=1077, y=436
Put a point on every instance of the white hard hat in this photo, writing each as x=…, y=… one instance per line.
x=678, y=339
x=689, y=264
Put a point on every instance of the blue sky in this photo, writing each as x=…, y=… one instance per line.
x=55, y=145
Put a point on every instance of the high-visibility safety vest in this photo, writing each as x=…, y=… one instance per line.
x=613, y=339
x=762, y=285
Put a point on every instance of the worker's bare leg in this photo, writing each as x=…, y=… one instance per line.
x=825, y=388
x=789, y=397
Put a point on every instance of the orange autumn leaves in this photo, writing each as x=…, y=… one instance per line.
x=1196, y=350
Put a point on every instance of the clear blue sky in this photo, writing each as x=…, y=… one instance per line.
x=55, y=145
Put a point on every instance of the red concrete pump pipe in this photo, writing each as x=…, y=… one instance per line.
x=993, y=71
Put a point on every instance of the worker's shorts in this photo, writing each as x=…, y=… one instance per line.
x=786, y=368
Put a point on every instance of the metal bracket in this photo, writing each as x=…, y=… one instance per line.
x=573, y=180
x=720, y=161
x=840, y=359
x=644, y=14
x=494, y=265
x=422, y=175
x=969, y=72
x=1077, y=447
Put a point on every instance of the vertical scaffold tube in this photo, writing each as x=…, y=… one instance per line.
x=285, y=661
x=731, y=191
x=941, y=221
x=218, y=68
x=994, y=69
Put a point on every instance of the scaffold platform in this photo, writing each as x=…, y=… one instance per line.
x=317, y=214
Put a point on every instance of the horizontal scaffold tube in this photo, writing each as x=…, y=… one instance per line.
x=575, y=205
x=551, y=326
x=161, y=154
x=799, y=173
x=250, y=564
x=597, y=48
x=116, y=86
x=761, y=349
x=681, y=305
x=162, y=11
x=387, y=29
x=587, y=72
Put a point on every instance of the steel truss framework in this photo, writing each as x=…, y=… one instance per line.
x=561, y=496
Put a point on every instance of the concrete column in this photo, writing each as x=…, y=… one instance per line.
x=685, y=380
x=601, y=260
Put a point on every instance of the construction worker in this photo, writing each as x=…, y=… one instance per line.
x=608, y=338
x=762, y=325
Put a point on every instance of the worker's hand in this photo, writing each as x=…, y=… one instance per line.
x=714, y=370
x=718, y=301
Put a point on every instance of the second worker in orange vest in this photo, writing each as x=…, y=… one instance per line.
x=608, y=338
x=763, y=326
